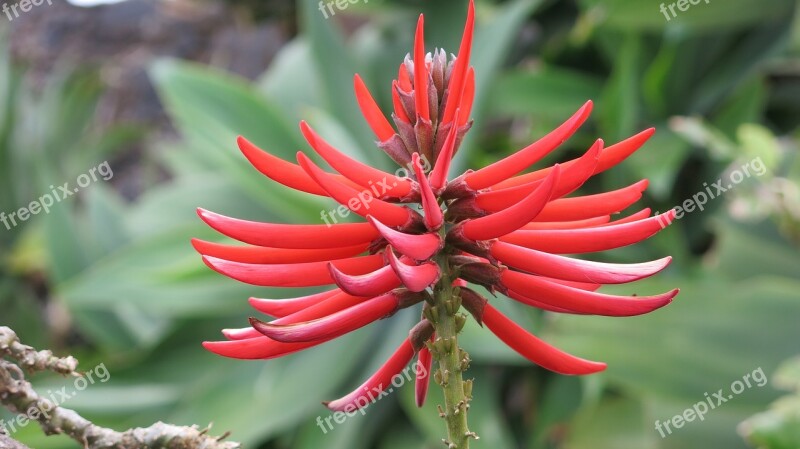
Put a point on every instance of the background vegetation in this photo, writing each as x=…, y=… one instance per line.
x=111, y=277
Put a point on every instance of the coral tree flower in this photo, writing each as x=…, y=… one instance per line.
x=495, y=227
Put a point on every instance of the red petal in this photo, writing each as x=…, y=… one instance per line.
x=467, y=99
x=310, y=274
x=522, y=159
x=415, y=278
x=404, y=79
x=588, y=240
x=370, y=390
x=415, y=246
x=644, y=213
x=370, y=284
x=423, y=372
x=433, y=213
x=609, y=157
x=372, y=113
x=535, y=349
x=382, y=184
x=514, y=217
x=524, y=286
x=331, y=326
x=399, y=109
x=262, y=255
x=420, y=72
x=281, y=171
x=566, y=268
x=582, y=207
x=283, y=307
x=290, y=236
x=438, y=176
x=457, y=79
x=575, y=224
x=256, y=348
x=362, y=203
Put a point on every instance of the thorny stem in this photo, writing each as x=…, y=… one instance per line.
x=452, y=360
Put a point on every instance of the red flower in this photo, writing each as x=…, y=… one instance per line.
x=493, y=227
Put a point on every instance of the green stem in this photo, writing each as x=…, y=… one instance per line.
x=452, y=360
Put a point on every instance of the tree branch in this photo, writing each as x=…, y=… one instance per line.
x=18, y=396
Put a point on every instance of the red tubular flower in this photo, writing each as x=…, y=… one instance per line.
x=497, y=227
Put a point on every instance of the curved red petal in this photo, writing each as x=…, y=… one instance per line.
x=415, y=278
x=505, y=168
x=404, y=79
x=600, y=238
x=512, y=218
x=524, y=286
x=369, y=284
x=262, y=255
x=283, y=307
x=609, y=157
x=362, y=203
x=380, y=183
x=574, y=224
x=399, y=108
x=644, y=213
x=415, y=246
x=259, y=348
x=279, y=170
x=457, y=79
x=371, y=111
x=309, y=274
x=420, y=72
x=433, y=213
x=333, y=325
x=423, y=375
x=583, y=207
x=370, y=390
x=438, y=176
x=467, y=99
x=560, y=267
x=290, y=236
x=534, y=349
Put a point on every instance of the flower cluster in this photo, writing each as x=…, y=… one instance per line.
x=428, y=236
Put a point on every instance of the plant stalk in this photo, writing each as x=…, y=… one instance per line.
x=452, y=360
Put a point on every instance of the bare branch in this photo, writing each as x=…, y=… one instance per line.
x=18, y=396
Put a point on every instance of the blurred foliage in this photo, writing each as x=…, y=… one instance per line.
x=779, y=427
x=721, y=82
